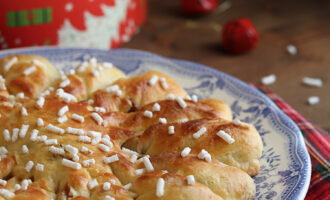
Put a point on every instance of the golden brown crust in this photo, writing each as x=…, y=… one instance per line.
x=115, y=191
x=124, y=169
x=112, y=102
x=138, y=91
x=169, y=109
x=129, y=125
x=6, y=166
x=176, y=187
x=219, y=106
x=100, y=78
x=56, y=177
x=226, y=181
x=31, y=193
x=79, y=198
x=243, y=153
x=76, y=87
x=33, y=83
x=142, y=93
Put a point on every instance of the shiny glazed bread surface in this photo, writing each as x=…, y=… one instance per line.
x=94, y=117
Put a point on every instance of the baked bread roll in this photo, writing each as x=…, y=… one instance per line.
x=170, y=110
x=27, y=74
x=243, y=153
x=89, y=77
x=226, y=181
x=175, y=188
x=66, y=136
x=98, y=75
x=138, y=90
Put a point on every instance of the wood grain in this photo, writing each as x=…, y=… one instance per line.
x=306, y=24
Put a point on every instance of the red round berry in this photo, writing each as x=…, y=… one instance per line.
x=239, y=36
x=197, y=7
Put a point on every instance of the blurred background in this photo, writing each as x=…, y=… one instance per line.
x=304, y=24
x=246, y=39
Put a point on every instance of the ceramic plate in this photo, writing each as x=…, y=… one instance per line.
x=285, y=164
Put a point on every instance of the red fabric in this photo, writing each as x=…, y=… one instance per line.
x=317, y=143
x=47, y=33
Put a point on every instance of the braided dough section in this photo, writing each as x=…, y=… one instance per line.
x=58, y=145
x=171, y=111
x=243, y=153
x=226, y=181
x=57, y=179
x=137, y=91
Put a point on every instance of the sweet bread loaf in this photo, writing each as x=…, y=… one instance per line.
x=94, y=133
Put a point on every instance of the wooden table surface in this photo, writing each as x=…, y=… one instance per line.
x=305, y=24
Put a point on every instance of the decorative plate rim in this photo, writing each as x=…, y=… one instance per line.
x=300, y=146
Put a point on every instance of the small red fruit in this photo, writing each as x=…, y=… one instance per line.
x=198, y=7
x=239, y=36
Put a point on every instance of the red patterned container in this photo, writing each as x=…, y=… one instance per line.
x=71, y=23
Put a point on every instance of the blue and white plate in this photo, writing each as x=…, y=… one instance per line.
x=285, y=163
